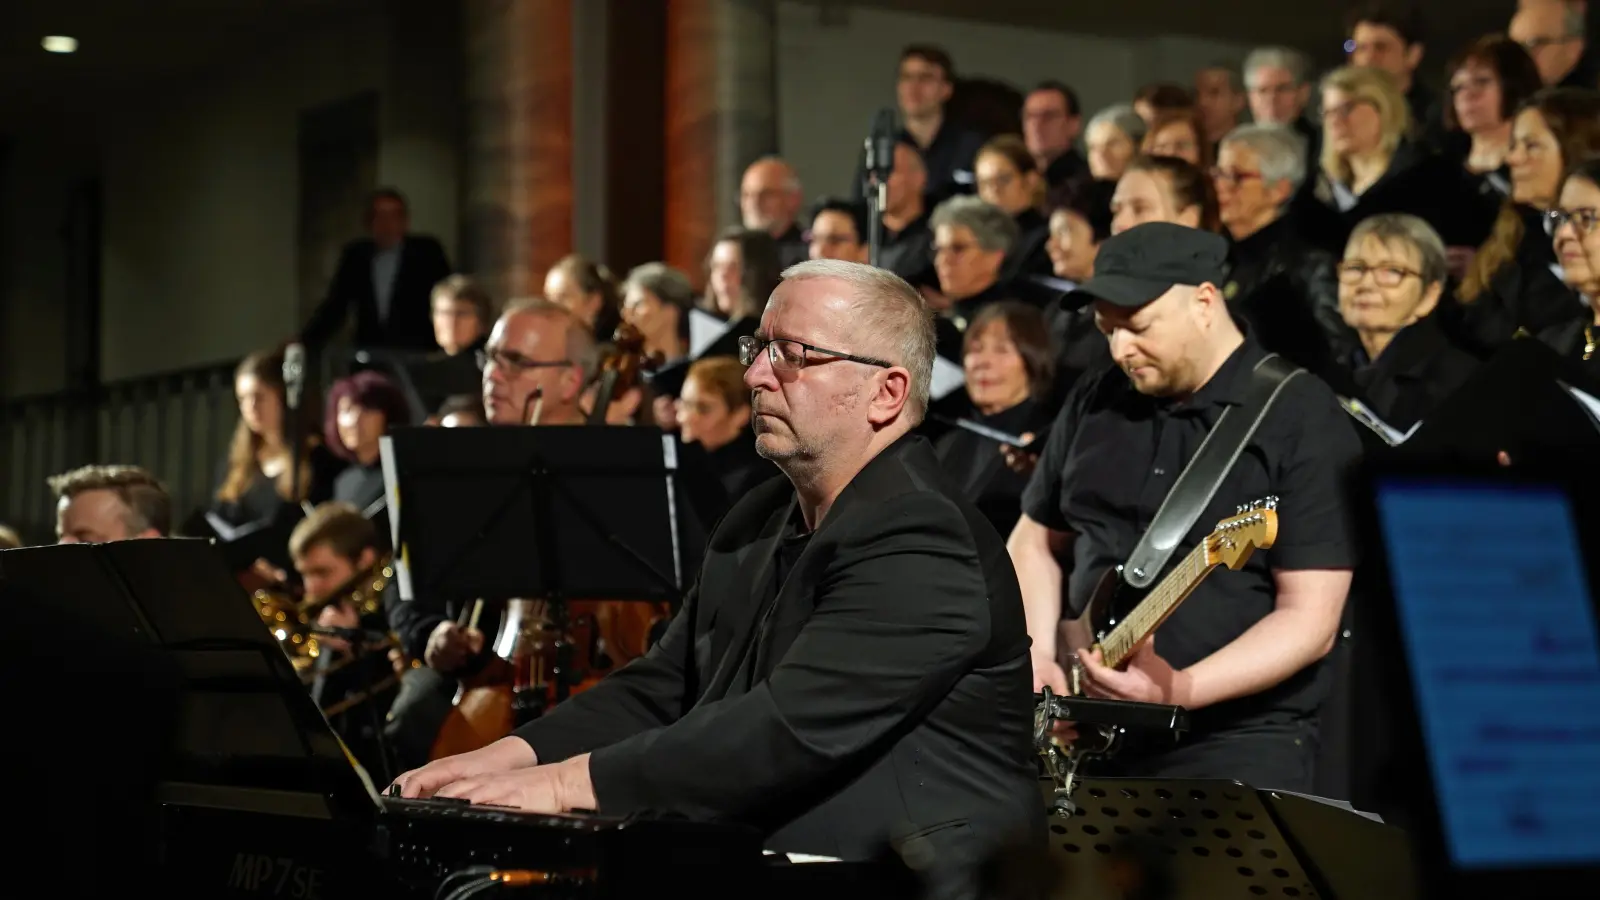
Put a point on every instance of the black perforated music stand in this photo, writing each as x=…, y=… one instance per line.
x=553, y=513
x=1208, y=840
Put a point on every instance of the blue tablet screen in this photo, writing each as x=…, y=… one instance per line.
x=1499, y=628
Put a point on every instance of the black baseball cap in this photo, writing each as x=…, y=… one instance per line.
x=1146, y=261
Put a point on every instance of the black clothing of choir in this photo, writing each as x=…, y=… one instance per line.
x=362, y=487
x=260, y=502
x=1525, y=295
x=739, y=468
x=1575, y=340
x=1111, y=458
x=1410, y=378
x=1288, y=293
x=892, y=698
x=792, y=248
x=1028, y=255
x=409, y=323
x=1065, y=170
x=948, y=160
x=975, y=463
x=909, y=252
x=1417, y=181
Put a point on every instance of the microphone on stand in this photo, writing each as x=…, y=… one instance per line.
x=294, y=385
x=880, y=165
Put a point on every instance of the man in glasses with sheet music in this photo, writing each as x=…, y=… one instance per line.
x=1244, y=651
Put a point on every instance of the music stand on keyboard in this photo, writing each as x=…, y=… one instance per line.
x=552, y=513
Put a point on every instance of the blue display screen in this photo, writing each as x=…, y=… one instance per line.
x=1500, y=632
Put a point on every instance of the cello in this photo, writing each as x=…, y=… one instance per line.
x=522, y=674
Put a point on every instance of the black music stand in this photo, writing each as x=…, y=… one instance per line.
x=553, y=513
x=247, y=740
x=1200, y=839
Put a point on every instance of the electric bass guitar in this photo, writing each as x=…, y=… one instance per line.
x=1121, y=620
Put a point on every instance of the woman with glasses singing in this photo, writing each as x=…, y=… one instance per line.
x=1391, y=279
x=1514, y=284
x=1372, y=164
x=1574, y=227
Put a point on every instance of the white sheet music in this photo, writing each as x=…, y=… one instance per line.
x=1589, y=402
x=947, y=377
x=704, y=329
x=1364, y=414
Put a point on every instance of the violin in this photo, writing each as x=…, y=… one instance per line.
x=621, y=369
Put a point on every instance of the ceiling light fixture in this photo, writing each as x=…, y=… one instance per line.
x=59, y=43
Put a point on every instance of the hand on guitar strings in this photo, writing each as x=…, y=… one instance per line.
x=556, y=788
x=1147, y=678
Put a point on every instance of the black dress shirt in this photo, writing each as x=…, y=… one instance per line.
x=1113, y=455
x=974, y=461
x=909, y=252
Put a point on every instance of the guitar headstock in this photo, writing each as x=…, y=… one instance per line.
x=1254, y=527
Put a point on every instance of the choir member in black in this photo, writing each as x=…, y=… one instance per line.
x=1554, y=34
x=769, y=202
x=1243, y=653
x=1390, y=281
x=1009, y=178
x=656, y=299
x=1113, y=138
x=588, y=290
x=1278, y=82
x=1163, y=189
x=1387, y=35
x=1490, y=79
x=361, y=408
x=970, y=240
x=1370, y=164
x=1052, y=120
x=925, y=80
x=1218, y=100
x=1077, y=229
x=1010, y=380
x=1283, y=287
x=462, y=313
x=907, y=248
x=1575, y=226
x=1514, y=283
x=1178, y=134
x=714, y=412
x=839, y=231
x=741, y=271
x=258, y=483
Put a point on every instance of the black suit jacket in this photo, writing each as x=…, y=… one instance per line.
x=890, y=705
x=409, y=326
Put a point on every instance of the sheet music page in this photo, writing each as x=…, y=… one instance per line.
x=224, y=531
x=947, y=378
x=1364, y=414
x=391, y=493
x=1589, y=402
x=704, y=329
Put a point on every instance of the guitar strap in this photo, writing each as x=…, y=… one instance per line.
x=1198, y=483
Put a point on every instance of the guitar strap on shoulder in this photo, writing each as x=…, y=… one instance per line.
x=1198, y=483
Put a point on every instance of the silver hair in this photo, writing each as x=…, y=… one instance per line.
x=1280, y=150
x=891, y=313
x=1123, y=118
x=992, y=227
x=668, y=284
x=1402, y=228
x=581, y=347
x=1297, y=64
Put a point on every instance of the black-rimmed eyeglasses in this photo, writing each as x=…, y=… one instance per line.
x=516, y=363
x=788, y=355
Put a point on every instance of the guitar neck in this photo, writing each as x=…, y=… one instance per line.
x=1154, y=609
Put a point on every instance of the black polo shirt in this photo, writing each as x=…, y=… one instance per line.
x=1112, y=456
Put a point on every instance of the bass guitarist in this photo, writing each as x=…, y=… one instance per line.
x=1244, y=651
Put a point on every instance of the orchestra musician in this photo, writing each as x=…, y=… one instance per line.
x=331, y=548
x=1244, y=651
x=97, y=504
x=851, y=673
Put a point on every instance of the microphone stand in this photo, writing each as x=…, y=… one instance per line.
x=294, y=384
x=880, y=164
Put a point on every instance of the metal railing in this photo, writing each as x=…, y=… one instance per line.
x=175, y=424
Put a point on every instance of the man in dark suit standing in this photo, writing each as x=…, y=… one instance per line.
x=387, y=280
x=851, y=672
